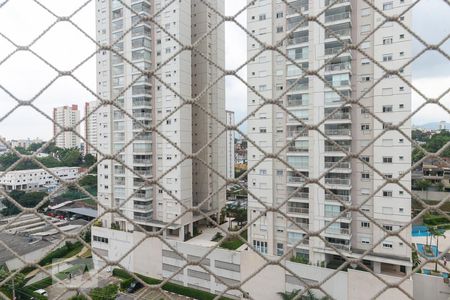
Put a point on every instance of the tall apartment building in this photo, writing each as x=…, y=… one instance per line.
x=66, y=116
x=230, y=145
x=157, y=101
x=310, y=153
x=91, y=112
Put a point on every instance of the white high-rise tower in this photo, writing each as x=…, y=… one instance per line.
x=183, y=129
x=310, y=153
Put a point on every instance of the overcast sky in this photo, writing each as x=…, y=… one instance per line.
x=63, y=46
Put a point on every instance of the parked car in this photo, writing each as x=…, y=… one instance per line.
x=134, y=286
x=41, y=292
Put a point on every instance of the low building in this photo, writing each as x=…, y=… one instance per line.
x=24, y=143
x=37, y=179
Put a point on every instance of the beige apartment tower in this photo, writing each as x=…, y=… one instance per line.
x=66, y=116
x=348, y=128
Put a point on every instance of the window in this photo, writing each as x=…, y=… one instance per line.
x=365, y=28
x=280, y=172
x=387, y=108
x=279, y=29
x=365, y=158
x=365, y=127
x=387, y=245
x=365, y=224
x=280, y=249
x=387, y=160
x=387, y=57
x=365, y=176
x=262, y=17
x=365, y=61
x=365, y=12
x=388, y=6
x=365, y=241
x=262, y=130
x=387, y=40
x=387, y=193
x=365, y=78
x=402, y=36
x=279, y=15
x=387, y=227
x=260, y=246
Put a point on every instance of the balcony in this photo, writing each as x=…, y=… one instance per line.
x=337, y=181
x=343, y=66
x=297, y=40
x=332, y=148
x=292, y=134
x=297, y=6
x=334, y=214
x=297, y=150
x=338, y=115
x=296, y=180
x=338, y=231
x=300, y=241
x=300, y=195
x=337, y=17
x=143, y=207
x=140, y=161
x=330, y=197
x=336, y=165
x=142, y=103
x=297, y=210
x=332, y=34
x=142, y=115
x=328, y=2
x=339, y=246
x=343, y=131
x=298, y=226
x=297, y=102
x=142, y=219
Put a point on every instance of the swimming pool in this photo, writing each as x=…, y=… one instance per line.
x=434, y=249
x=420, y=230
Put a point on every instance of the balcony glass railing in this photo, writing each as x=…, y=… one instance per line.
x=336, y=149
x=338, y=116
x=341, y=165
x=328, y=2
x=294, y=179
x=338, y=32
x=344, y=231
x=338, y=131
x=337, y=181
x=142, y=207
x=298, y=210
x=142, y=219
x=339, y=246
x=295, y=149
x=330, y=197
x=297, y=133
x=334, y=214
x=337, y=17
x=338, y=67
x=300, y=195
x=298, y=40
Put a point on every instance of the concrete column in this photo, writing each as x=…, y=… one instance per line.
x=377, y=267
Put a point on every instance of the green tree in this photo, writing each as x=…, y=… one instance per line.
x=423, y=184
x=436, y=233
x=16, y=282
x=34, y=147
x=89, y=160
x=25, y=199
x=289, y=296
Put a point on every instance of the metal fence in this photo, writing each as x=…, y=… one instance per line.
x=301, y=179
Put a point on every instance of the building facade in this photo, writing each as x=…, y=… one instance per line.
x=348, y=128
x=183, y=129
x=230, y=145
x=91, y=112
x=37, y=179
x=66, y=117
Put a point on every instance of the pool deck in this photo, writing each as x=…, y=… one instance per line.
x=444, y=245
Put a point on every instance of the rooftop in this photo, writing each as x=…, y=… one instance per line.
x=20, y=244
